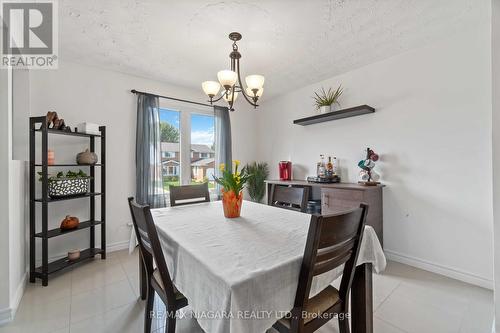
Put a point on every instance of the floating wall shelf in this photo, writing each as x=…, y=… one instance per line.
x=334, y=115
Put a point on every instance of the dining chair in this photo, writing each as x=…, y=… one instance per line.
x=332, y=241
x=288, y=197
x=158, y=278
x=189, y=194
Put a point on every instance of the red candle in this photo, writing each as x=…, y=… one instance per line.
x=50, y=157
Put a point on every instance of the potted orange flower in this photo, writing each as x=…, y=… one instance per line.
x=232, y=189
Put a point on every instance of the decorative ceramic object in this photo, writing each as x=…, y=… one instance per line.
x=70, y=222
x=232, y=204
x=325, y=109
x=367, y=176
x=88, y=128
x=56, y=122
x=87, y=157
x=50, y=157
x=73, y=255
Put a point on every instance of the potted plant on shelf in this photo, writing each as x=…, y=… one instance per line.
x=232, y=189
x=326, y=98
x=69, y=184
x=257, y=172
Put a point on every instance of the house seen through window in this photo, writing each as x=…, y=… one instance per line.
x=201, y=158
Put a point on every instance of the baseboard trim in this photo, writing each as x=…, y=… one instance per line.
x=8, y=314
x=5, y=316
x=440, y=269
x=118, y=246
x=19, y=294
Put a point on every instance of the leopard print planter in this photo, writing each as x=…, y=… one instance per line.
x=60, y=188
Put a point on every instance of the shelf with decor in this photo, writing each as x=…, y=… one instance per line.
x=69, y=165
x=62, y=132
x=334, y=115
x=60, y=189
x=86, y=195
x=64, y=263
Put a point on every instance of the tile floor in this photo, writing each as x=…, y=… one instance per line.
x=102, y=297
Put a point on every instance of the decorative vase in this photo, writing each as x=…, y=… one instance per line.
x=73, y=255
x=232, y=203
x=50, y=157
x=325, y=109
x=86, y=158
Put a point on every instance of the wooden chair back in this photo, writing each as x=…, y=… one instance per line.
x=189, y=194
x=332, y=241
x=294, y=198
x=150, y=245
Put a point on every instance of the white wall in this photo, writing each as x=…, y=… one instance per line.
x=18, y=186
x=18, y=229
x=13, y=206
x=4, y=196
x=82, y=93
x=432, y=128
x=495, y=38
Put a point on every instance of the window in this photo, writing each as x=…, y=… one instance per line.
x=187, y=145
x=166, y=154
x=202, y=147
x=170, y=145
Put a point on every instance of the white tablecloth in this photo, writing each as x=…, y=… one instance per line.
x=240, y=274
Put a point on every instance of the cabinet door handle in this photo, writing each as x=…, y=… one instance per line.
x=325, y=199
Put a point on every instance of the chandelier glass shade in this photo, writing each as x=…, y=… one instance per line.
x=230, y=81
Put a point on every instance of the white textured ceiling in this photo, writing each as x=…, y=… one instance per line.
x=292, y=43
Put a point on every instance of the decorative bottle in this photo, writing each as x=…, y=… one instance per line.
x=321, y=167
x=335, y=166
x=329, y=167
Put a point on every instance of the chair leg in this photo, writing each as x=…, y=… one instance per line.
x=143, y=278
x=149, y=309
x=343, y=323
x=170, y=321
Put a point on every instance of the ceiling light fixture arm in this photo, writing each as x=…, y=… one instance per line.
x=254, y=98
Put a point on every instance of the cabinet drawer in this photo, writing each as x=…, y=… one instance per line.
x=338, y=200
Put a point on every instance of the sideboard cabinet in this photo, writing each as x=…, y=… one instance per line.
x=339, y=197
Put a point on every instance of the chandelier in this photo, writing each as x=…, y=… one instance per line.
x=230, y=80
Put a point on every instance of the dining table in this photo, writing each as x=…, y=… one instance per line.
x=241, y=274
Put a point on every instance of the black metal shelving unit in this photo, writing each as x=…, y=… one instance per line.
x=39, y=125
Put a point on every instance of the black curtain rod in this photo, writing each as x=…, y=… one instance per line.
x=172, y=98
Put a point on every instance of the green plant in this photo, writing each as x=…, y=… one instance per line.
x=168, y=133
x=69, y=175
x=327, y=98
x=232, y=181
x=257, y=172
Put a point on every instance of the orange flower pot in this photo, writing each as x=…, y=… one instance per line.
x=232, y=203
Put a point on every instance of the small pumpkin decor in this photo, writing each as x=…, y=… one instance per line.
x=70, y=222
x=232, y=189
